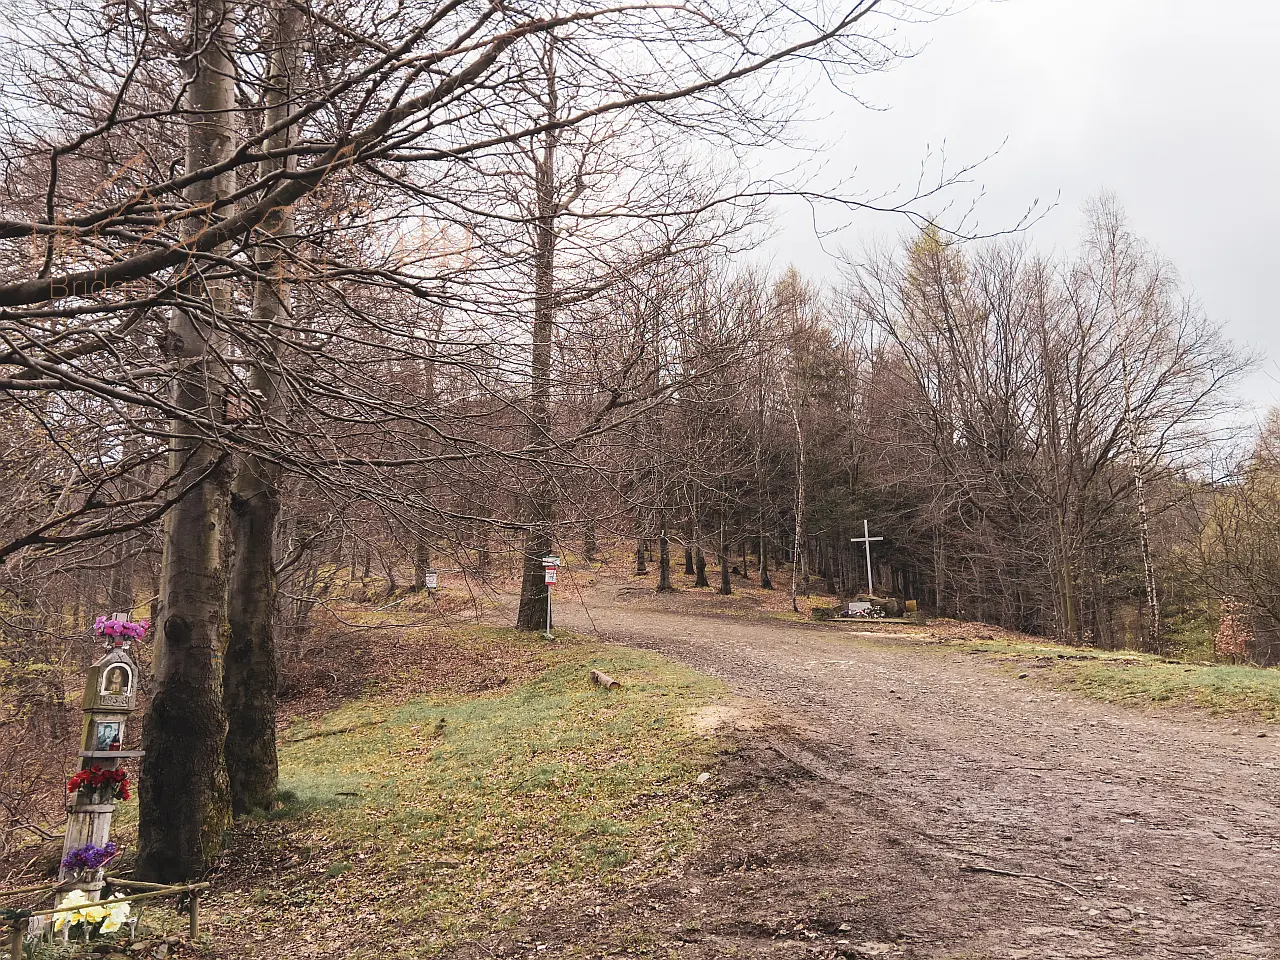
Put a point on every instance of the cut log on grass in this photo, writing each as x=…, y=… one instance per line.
x=605, y=680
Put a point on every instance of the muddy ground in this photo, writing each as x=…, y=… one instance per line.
x=916, y=802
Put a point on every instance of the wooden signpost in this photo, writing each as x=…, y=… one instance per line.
x=550, y=570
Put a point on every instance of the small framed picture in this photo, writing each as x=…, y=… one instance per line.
x=106, y=736
x=117, y=681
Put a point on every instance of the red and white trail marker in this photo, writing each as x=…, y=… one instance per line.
x=550, y=567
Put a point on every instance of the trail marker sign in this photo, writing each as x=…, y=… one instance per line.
x=550, y=567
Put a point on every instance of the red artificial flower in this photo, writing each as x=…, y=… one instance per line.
x=95, y=778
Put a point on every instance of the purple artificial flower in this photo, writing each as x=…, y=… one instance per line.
x=89, y=857
x=104, y=627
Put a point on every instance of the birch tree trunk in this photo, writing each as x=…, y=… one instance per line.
x=249, y=679
x=1153, y=641
x=184, y=803
x=800, y=494
x=1130, y=295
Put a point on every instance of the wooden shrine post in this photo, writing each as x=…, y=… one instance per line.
x=110, y=696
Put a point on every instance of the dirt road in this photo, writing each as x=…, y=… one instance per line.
x=919, y=769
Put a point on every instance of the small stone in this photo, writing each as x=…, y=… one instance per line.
x=704, y=777
x=872, y=948
x=1022, y=676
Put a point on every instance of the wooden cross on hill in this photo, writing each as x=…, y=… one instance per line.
x=865, y=540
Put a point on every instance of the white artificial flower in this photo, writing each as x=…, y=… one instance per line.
x=70, y=917
x=116, y=915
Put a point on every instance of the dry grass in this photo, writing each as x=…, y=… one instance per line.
x=412, y=825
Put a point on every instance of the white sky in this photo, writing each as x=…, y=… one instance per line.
x=1170, y=104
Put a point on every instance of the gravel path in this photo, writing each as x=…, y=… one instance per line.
x=920, y=769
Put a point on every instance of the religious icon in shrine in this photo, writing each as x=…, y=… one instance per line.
x=117, y=681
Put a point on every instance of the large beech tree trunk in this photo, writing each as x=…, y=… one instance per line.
x=249, y=679
x=184, y=803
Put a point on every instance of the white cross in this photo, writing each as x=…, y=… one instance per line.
x=865, y=540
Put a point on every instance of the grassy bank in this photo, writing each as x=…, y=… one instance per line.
x=411, y=826
x=1140, y=679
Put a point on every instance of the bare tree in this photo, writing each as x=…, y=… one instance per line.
x=184, y=804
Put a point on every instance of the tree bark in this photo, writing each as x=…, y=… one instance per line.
x=664, y=556
x=184, y=800
x=532, y=614
x=249, y=677
x=726, y=585
x=249, y=670
x=421, y=564
x=800, y=501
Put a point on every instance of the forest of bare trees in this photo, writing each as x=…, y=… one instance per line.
x=296, y=298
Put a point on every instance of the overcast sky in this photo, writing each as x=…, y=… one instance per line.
x=1170, y=104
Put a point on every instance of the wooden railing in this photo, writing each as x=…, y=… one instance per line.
x=18, y=920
